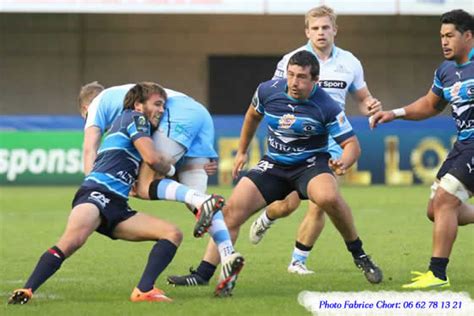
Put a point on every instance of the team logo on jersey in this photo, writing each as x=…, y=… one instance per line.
x=340, y=68
x=333, y=84
x=99, y=198
x=308, y=128
x=279, y=74
x=470, y=91
x=286, y=121
x=141, y=123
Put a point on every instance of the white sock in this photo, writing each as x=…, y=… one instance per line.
x=299, y=255
x=264, y=217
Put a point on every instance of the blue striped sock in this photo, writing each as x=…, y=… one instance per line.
x=171, y=190
x=220, y=235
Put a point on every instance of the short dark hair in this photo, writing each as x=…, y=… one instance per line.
x=462, y=20
x=304, y=58
x=141, y=92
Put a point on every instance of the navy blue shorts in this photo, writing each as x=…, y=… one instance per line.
x=460, y=164
x=276, y=181
x=113, y=208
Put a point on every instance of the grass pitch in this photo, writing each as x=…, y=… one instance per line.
x=99, y=278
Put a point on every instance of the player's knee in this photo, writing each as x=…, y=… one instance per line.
x=326, y=201
x=452, y=187
x=231, y=218
x=174, y=234
x=292, y=203
x=451, y=193
x=69, y=244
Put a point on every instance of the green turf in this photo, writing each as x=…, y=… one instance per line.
x=98, y=279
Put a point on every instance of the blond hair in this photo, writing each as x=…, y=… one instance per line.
x=88, y=92
x=318, y=12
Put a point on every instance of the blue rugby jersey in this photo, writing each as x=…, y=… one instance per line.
x=298, y=129
x=455, y=84
x=117, y=164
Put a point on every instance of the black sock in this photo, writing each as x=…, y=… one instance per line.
x=160, y=256
x=438, y=267
x=47, y=265
x=302, y=247
x=355, y=247
x=206, y=270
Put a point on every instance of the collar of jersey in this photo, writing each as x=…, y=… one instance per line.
x=469, y=59
x=298, y=100
x=334, y=50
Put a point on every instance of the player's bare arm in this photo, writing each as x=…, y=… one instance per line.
x=249, y=127
x=154, y=159
x=368, y=105
x=423, y=108
x=351, y=152
x=92, y=137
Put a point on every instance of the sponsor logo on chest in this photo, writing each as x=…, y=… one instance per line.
x=286, y=121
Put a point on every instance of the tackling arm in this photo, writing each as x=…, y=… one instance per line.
x=92, y=137
x=154, y=159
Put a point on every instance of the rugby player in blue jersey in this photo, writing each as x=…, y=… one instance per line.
x=186, y=136
x=300, y=118
x=453, y=84
x=101, y=205
x=341, y=73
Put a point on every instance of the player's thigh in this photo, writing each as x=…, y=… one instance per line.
x=192, y=174
x=141, y=227
x=244, y=200
x=85, y=214
x=456, y=175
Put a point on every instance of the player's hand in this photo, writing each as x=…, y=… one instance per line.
x=373, y=106
x=133, y=190
x=239, y=163
x=211, y=167
x=381, y=117
x=338, y=166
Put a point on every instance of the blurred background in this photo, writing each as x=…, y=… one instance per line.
x=216, y=51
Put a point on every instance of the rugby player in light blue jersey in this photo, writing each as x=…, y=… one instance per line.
x=341, y=73
x=454, y=85
x=186, y=131
x=186, y=136
x=101, y=203
x=300, y=118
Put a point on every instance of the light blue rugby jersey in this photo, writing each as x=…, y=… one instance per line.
x=299, y=129
x=455, y=84
x=109, y=104
x=341, y=73
x=183, y=116
x=117, y=164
